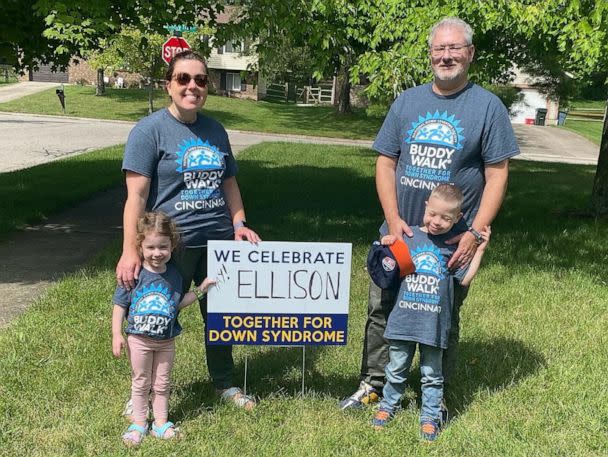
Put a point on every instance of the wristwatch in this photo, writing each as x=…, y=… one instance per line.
x=199, y=293
x=239, y=224
x=477, y=235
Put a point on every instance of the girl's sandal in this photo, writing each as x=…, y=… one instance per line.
x=168, y=431
x=134, y=435
x=237, y=397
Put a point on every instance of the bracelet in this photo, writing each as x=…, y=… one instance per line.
x=199, y=293
x=239, y=224
x=477, y=235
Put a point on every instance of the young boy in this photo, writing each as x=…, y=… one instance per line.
x=421, y=314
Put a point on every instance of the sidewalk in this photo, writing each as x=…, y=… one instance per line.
x=33, y=259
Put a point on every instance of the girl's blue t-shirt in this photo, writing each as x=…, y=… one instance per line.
x=152, y=305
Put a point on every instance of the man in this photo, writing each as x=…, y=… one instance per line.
x=447, y=131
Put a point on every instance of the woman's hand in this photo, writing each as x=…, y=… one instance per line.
x=245, y=233
x=127, y=270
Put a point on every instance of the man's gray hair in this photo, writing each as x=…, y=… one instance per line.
x=452, y=22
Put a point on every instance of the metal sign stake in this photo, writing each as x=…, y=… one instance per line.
x=245, y=377
x=303, y=368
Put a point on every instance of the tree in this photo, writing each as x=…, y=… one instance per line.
x=22, y=44
x=328, y=28
x=135, y=51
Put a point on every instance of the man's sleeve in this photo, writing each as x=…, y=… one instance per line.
x=498, y=141
x=388, y=140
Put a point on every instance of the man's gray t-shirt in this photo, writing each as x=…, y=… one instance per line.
x=423, y=309
x=187, y=164
x=152, y=305
x=444, y=139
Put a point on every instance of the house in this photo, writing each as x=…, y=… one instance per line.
x=230, y=72
x=524, y=111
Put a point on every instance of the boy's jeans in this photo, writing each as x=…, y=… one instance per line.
x=401, y=354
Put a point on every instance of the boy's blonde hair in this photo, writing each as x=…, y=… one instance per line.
x=450, y=193
x=159, y=223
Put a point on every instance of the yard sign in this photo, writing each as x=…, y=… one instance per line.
x=278, y=293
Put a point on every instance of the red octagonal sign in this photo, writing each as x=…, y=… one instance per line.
x=172, y=46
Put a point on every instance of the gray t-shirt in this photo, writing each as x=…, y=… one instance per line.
x=440, y=139
x=152, y=305
x=423, y=309
x=187, y=164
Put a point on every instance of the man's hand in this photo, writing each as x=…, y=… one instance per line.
x=397, y=227
x=467, y=245
x=127, y=270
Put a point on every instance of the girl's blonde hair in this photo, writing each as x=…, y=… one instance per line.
x=156, y=222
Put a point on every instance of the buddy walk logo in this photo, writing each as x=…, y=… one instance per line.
x=421, y=290
x=432, y=140
x=152, y=309
x=202, y=166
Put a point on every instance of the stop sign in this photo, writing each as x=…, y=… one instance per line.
x=172, y=46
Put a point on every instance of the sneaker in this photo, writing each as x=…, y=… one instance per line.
x=236, y=396
x=429, y=430
x=383, y=416
x=365, y=395
x=444, y=414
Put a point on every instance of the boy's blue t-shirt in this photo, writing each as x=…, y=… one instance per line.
x=152, y=305
x=423, y=309
x=444, y=139
x=187, y=165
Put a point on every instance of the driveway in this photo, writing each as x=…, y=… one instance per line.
x=21, y=89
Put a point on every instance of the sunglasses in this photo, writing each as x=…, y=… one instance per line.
x=183, y=79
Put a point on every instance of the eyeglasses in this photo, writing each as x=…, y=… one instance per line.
x=183, y=79
x=453, y=49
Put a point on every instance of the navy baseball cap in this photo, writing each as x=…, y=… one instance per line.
x=387, y=265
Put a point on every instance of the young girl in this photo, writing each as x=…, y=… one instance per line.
x=151, y=309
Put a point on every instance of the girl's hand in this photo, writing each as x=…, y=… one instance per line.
x=118, y=343
x=204, y=286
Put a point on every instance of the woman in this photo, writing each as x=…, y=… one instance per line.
x=179, y=161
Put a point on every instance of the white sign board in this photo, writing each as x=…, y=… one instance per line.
x=278, y=293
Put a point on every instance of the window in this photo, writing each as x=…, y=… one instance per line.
x=230, y=48
x=233, y=82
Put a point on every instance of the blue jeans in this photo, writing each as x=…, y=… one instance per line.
x=401, y=354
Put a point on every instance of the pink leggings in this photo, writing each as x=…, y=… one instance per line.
x=151, y=363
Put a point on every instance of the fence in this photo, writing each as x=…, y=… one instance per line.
x=586, y=114
x=323, y=94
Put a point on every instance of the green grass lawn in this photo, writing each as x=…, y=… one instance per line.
x=588, y=104
x=589, y=129
x=531, y=373
x=32, y=194
x=131, y=104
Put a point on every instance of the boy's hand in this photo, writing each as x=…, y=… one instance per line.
x=485, y=234
x=388, y=240
x=118, y=343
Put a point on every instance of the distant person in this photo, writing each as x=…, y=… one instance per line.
x=446, y=131
x=179, y=161
x=151, y=309
x=422, y=311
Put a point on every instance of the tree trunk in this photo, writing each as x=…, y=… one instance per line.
x=101, y=85
x=599, y=197
x=344, y=90
x=150, y=98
